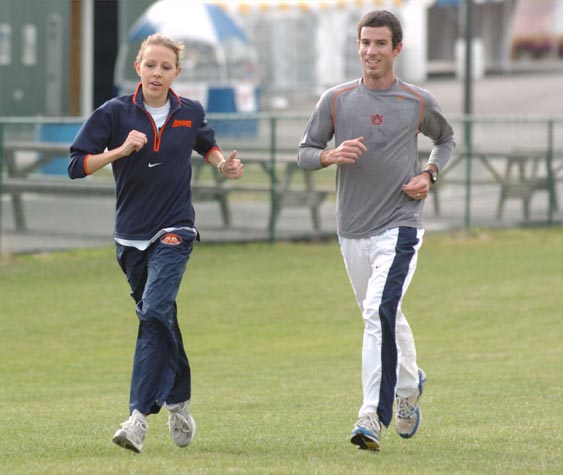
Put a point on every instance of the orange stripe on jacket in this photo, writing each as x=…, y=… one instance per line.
x=85, y=164
x=209, y=153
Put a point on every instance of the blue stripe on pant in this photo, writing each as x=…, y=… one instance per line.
x=161, y=370
x=392, y=294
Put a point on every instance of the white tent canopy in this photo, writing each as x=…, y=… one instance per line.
x=335, y=16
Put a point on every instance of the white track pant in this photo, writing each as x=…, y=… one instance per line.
x=380, y=271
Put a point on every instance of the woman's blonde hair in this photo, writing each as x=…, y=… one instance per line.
x=162, y=40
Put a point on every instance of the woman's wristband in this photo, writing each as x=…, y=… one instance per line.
x=220, y=166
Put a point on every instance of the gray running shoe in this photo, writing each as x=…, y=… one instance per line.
x=181, y=423
x=408, y=415
x=367, y=432
x=132, y=433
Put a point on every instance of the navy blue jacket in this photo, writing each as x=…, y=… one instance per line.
x=152, y=185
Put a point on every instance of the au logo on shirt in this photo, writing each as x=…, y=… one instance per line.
x=377, y=119
x=171, y=239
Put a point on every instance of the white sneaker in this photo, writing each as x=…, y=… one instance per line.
x=132, y=433
x=367, y=432
x=181, y=423
x=408, y=415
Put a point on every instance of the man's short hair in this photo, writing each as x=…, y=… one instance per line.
x=379, y=18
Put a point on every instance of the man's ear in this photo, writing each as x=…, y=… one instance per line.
x=398, y=49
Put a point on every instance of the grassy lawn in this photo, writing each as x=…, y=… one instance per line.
x=274, y=337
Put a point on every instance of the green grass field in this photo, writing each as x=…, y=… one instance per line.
x=274, y=339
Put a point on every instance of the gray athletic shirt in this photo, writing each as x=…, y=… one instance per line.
x=369, y=199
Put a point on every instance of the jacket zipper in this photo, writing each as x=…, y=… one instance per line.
x=157, y=133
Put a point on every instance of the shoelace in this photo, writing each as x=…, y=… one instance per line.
x=178, y=423
x=369, y=422
x=406, y=409
x=133, y=423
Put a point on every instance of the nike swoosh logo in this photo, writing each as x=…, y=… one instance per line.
x=154, y=164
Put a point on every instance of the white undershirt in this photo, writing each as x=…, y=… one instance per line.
x=159, y=114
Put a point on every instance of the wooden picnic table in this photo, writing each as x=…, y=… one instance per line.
x=284, y=191
x=519, y=173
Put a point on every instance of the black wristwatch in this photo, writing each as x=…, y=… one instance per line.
x=433, y=175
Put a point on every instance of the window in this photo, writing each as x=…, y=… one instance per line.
x=29, y=45
x=5, y=44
